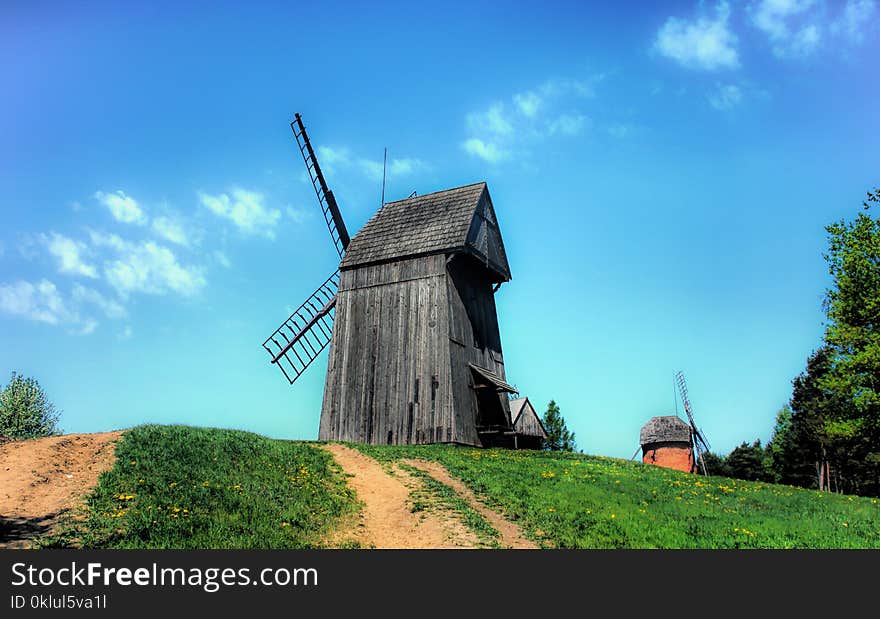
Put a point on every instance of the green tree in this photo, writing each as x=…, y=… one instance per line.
x=715, y=464
x=25, y=411
x=852, y=335
x=558, y=436
x=747, y=462
x=852, y=306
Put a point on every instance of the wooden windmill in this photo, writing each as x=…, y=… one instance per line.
x=409, y=315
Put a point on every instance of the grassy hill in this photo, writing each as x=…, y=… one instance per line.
x=182, y=487
x=580, y=501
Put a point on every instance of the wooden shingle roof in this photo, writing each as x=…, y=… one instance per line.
x=444, y=221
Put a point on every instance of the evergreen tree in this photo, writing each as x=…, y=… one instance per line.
x=558, y=436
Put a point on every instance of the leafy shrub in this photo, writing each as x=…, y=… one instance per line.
x=25, y=411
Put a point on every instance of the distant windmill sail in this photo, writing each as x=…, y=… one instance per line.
x=699, y=442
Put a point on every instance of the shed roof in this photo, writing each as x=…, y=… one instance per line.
x=458, y=219
x=492, y=378
x=521, y=406
x=665, y=429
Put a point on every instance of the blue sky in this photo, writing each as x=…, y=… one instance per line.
x=661, y=174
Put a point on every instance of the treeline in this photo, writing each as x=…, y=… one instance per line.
x=828, y=436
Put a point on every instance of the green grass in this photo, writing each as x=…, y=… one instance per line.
x=184, y=487
x=579, y=501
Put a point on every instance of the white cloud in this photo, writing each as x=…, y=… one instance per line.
x=527, y=103
x=43, y=302
x=486, y=151
x=246, y=210
x=405, y=166
x=40, y=302
x=508, y=128
x=331, y=156
x=725, y=97
x=146, y=267
x=123, y=208
x=297, y=215
x=493, y=121
x=396, y=167
x=856, y=15
x=371, y=169
x=222, y=259
x=125, y=334
x=69, y=254
x=702, y=43
x=567, y=124
x=792, y=27
x=171, y=229
x=88, y=296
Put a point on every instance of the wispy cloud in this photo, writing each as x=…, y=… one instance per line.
x=222, y=259
x=146, y=267
x=44, y=302
x=725, y=97
x=487, y=151
x=799, y=28
x=124, y=208
x=704, y=42
x=40, y=302
x=171, y=229
x=854, y=19
x=791, y=27
x=506, y=128
x=111, y=308
x=245, y=209
x=337, y=160
x=69, y=255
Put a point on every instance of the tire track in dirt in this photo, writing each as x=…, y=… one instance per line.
x=42, y=479
x=387, y=520
x=511, y=536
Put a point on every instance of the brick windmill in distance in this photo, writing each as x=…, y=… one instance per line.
x=669, y=442
x=410, y=318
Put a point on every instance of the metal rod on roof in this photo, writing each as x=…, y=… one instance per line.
x=384, y=159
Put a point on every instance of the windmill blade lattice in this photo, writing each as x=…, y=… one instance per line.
x=700, y=444
x=306, y=332
x=329, y=208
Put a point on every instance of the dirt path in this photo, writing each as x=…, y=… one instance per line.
x=387, y=519
x=42, y=478
x=511, y=536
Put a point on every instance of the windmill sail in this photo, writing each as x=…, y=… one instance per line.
x=306, y=332
x=699, y=442
x=329, y=208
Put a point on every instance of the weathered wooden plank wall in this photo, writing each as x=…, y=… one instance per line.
x=474, y=338
x=388, y=380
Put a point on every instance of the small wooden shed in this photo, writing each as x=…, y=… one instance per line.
x=666, y=442
x=527, y=426
x=415, y=354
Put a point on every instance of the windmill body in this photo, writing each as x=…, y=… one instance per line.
x=416, y=349
x=410, y=318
